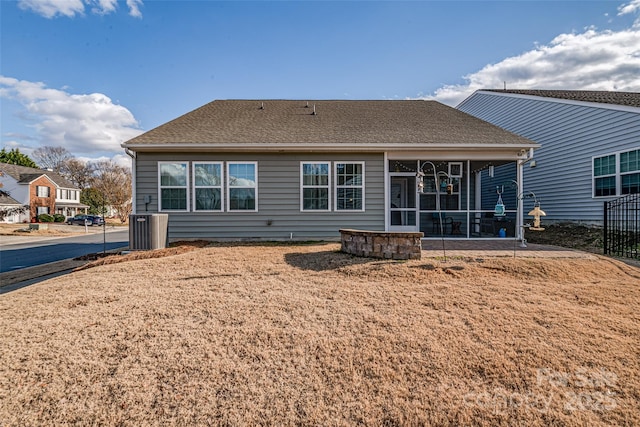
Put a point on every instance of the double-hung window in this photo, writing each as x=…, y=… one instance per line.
x=173, y=178
x=242, y=186
x=43, y=191
x=315, y=184
x=349, y=186
x=207, y=186
x=604, y=174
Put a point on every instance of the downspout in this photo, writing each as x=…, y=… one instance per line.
x=133, y=179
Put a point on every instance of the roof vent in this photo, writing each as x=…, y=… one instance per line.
x=262, y=105
x=307, y=105
x=314, y=110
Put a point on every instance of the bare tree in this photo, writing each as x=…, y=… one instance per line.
x=114, y=183
x=52, y=158
x=78, y=172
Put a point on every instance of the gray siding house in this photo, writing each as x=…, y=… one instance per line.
x=301, y=170
x=590, y=146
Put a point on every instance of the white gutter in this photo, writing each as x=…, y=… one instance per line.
x=338, y=147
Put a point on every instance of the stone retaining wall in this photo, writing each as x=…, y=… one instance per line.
x=382, y=244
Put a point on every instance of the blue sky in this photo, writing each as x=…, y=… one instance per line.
x=89, y=74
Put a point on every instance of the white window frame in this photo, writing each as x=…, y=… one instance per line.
x=161, y=187
x=195, y=187
x=229, y=187
x=618, y=174
x=327, y=186
x=337, y=187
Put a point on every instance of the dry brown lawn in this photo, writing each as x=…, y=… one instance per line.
x=305, y=335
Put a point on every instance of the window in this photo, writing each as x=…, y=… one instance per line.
x=604, y=172
x=630, y=172
x=314, y=187
x=42, y=209
x=242, y=186
x=43, y=191
x=173, y=186
x=631, y=183
x=616, y=174
x=350, y=186
x=207, y=186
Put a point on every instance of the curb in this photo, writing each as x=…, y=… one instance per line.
x=30, y=275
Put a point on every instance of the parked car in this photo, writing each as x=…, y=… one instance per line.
x=89, y=219
x=96, y=220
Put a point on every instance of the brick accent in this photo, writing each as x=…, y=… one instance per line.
x=382, y=244
x=35, y=201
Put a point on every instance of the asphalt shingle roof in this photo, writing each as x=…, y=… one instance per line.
x=631, y=99
x=26, y=174
x=258, y=122
x=6, y=200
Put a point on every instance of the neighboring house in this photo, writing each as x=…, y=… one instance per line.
x=43, y=190
x=300, y=170
x=590, y=145
x=8, y=203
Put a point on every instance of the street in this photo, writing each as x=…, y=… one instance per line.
x=31, y=252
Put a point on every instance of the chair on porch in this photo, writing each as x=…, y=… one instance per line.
x=446, y=221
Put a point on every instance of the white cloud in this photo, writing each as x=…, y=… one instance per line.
x=71, y=8
x=592, y=60
x=103, y=7
x=134, y=8
x=84, y=124
x=631, y=7
x=52, y=8
x=119, y=159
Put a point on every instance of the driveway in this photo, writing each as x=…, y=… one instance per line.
x=22, y=251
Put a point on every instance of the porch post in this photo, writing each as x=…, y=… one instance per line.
x=519, y=200
x=387, y=185
x=478, y=204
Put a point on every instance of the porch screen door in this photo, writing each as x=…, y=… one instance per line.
x=402, y=203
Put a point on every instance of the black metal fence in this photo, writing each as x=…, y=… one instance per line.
x=622, y=227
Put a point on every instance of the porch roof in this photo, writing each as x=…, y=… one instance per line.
x=6, y=200
x=71, y=205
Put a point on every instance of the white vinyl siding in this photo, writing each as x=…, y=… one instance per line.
x=315, y=186
x=349, y=186
x=173, y=189
x=207, y=186
x=242, y=186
